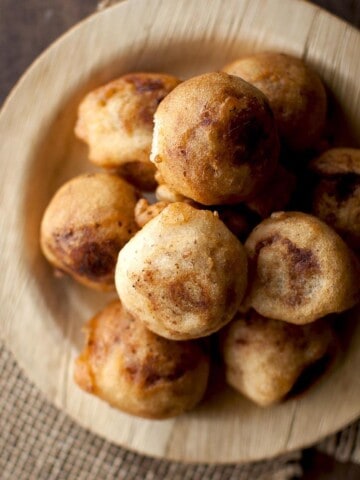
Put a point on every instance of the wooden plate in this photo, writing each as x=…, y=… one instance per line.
x=41, y=315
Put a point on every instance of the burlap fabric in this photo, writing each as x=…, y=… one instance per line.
x=38, y=442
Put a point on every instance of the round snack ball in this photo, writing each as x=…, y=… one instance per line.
x=301, y=269
x=336, y=199
x=215, y=139
x=85, y=225
x=184, y=274
x=116, y=121
x=137, y=371
x=264, y=358
x=296, y=94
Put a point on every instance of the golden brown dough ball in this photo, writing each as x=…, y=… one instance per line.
x=215, y=139
x=137, y=371
x=184, y=274
x=87, y=222
x=296, y=94
x=336, y=199
x=264, y=358
x=116, y=121
x=275, y=195
x=300, y=268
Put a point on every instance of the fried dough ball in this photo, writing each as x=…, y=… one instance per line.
x=215, y=139
x=116, y=121
x=137, y=371
x=144, y=212
x=264, y=358
x=301, y=270
x=184, y=274
x=336, y=198
x=85, y=225
x=296, y=94
x=275, y=195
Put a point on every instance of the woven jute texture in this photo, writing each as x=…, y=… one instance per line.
x=38, y=442
x=345, y=445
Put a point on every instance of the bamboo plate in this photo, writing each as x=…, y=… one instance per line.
x=41, y=315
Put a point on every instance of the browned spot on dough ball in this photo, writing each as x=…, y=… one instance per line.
x=143, y=83
x=188, y=295
x=301, y=270
x=86, y=224
x=137, y=371
x=95, y=260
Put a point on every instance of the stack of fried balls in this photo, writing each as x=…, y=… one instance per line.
x=239, y=246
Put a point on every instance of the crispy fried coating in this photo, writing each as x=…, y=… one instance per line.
x=139, y=174
x=184, y=274
x=137, y=371
x=144, y=211
x=264, y=357
x=164, y=193
x=301, y=270
x=296, y=94
x=238, y=218
x=215, y=139
x=336, y=198
x=337, y=161
x=86, y=224
x=116, y=121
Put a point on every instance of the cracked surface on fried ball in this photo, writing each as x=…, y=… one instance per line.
x=336, y=199
x=184, y=274
x=85, y=225
x=300, y=269
x=215, y=139
x=264, y=357
x=116, y=121
x=296, y=94
x=137, y=371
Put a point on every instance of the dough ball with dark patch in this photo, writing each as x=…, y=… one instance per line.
x=296, y=94
x=86, y=224
x=184, y=274
x=116, y=121
x=336, y=198
x=137, y=371
x=215, y=139
x=300, y=269
x=264, y=358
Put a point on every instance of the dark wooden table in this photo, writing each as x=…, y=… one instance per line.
x=27, y=27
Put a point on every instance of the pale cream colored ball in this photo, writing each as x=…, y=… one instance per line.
x=184, y=274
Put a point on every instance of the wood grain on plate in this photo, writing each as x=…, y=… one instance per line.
x=42, y=315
